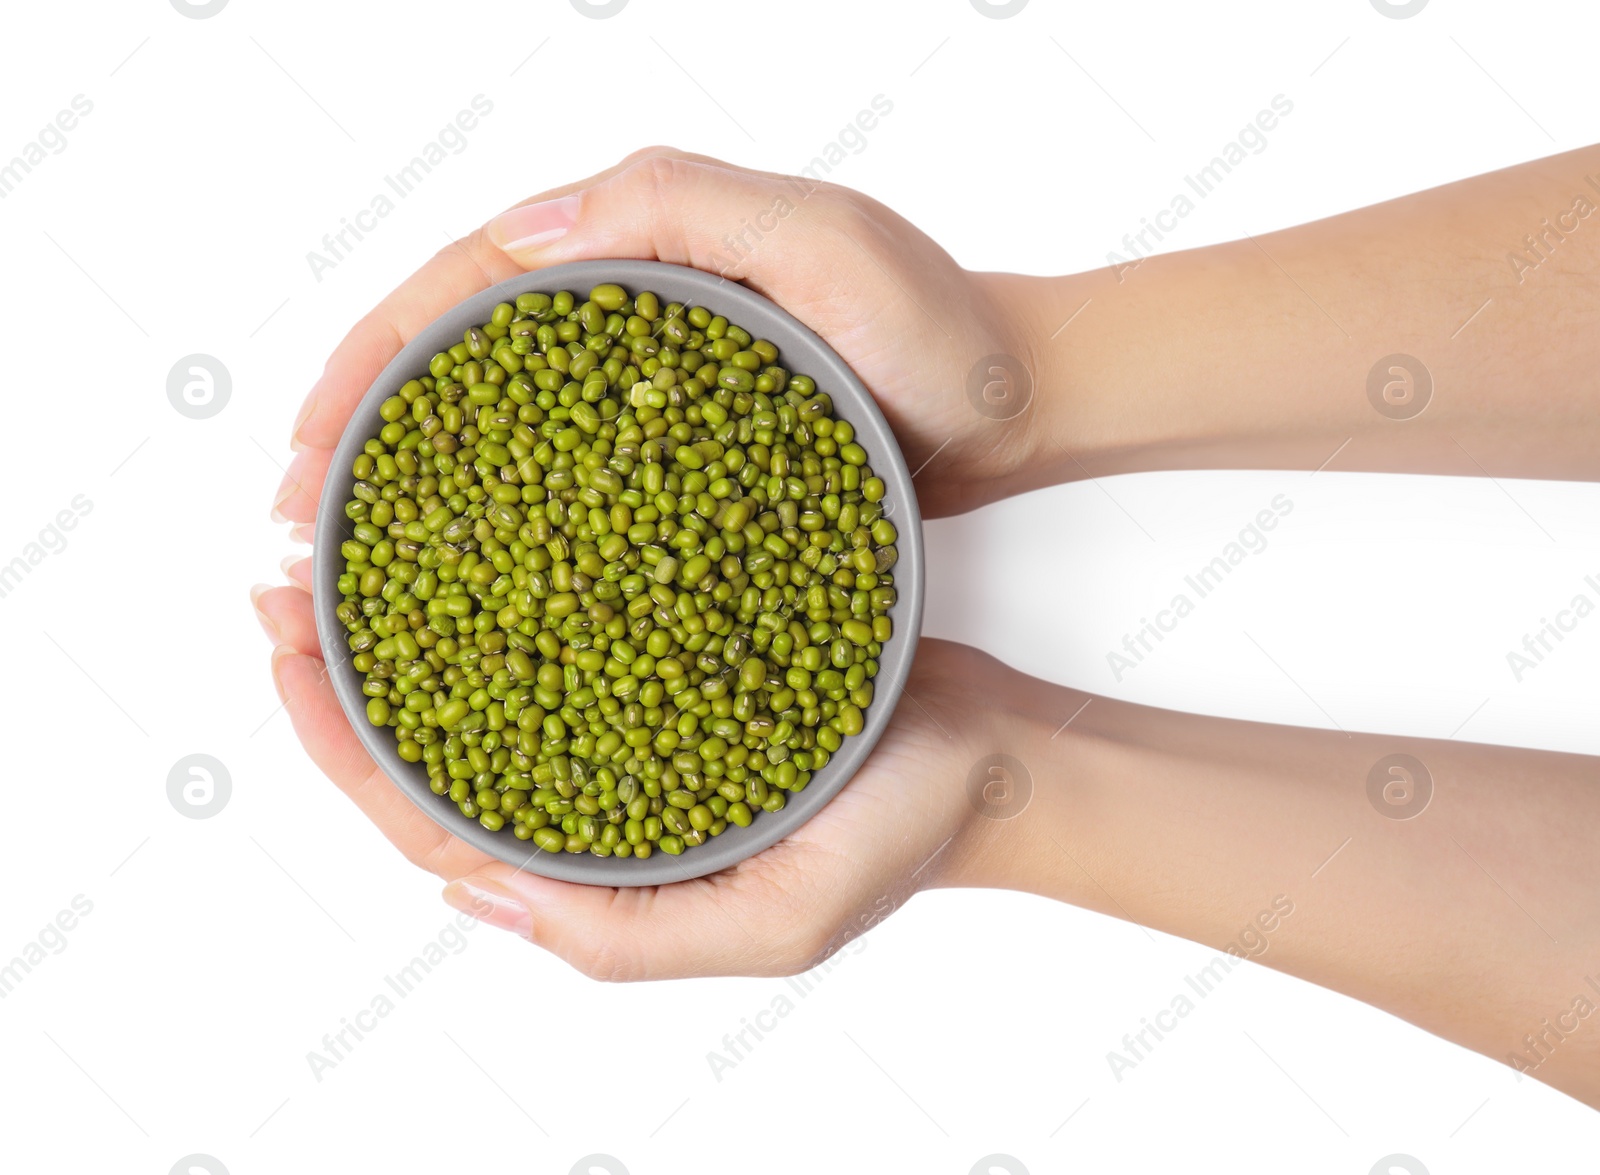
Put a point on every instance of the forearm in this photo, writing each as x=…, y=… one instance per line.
x=1257, y=353
x=1477, y=919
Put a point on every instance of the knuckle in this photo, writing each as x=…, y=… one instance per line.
x=837, y=215
x=605, y=961
x=660, y=150
x=659, y=176
x=376, y=329
x=432, y=858
x=476, y=243
x=457, y=262
x=348, y=761
x=847, y=207
x=806, y=949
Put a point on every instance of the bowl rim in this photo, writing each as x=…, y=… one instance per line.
x=806, y=353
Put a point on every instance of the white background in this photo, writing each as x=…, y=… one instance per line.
x=218, y=952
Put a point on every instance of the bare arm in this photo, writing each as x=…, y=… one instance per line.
x=1258, y=353
x=1463, y=896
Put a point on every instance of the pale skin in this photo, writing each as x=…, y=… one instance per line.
x=1477, y=920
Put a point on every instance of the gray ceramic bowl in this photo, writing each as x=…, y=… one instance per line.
x=801, y=351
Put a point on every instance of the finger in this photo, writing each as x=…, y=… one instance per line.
x=303, y=532
x=746, y=226
x=328, y=738
x=458, y=271
x=323, y=730
x=658, y=151
x=268, y=626
x=743, y=921
x=297, y=495
x=298, y=569
x=286, y=614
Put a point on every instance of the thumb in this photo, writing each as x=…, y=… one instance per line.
x=681, y=210
x=699, y=927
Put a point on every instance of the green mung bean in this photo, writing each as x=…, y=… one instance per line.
x=615, y=578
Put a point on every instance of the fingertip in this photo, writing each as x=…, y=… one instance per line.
x=281, y=656
x=300, y=674
x=297, y=568
x=297, y=442
x=268, y=624
x=287, y=614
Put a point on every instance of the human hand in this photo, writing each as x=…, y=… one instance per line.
x=918, y=371
x=902, y=824
x=909, y=320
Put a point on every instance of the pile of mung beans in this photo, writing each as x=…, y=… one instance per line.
x=615, y=577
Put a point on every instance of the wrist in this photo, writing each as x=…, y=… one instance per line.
x=1020, y=771
x=1059, y=426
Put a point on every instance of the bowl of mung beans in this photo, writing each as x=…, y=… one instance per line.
x=618, y=572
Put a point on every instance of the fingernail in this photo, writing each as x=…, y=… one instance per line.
x=533, y=225
x=303, y=532
x=495, y=909
x=306, y=411
x=278, y=655
x=268, y=625
x=288, y=564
